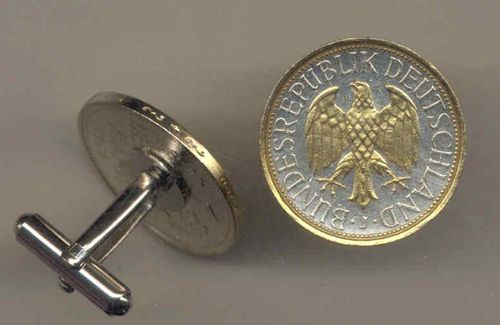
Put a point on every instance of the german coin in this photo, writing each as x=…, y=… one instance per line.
x=123, y=135
x=362, y=142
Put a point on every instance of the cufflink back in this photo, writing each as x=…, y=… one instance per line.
x=166, y=178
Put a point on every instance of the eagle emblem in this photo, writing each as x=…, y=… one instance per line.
x=369, y=133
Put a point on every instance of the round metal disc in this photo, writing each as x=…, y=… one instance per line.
x=362, y=142
x=200, y=212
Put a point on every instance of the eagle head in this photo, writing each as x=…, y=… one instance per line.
x=362, y=95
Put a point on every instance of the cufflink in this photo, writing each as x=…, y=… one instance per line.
x=167, y=180
x=363, y=142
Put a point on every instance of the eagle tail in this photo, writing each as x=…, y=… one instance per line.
x=362, y=190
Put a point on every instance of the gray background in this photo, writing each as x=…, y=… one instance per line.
x=211, y=65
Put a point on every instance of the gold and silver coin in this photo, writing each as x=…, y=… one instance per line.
x=362, y=142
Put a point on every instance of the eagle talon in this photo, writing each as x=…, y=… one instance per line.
x=331, y=182
x=396, y=181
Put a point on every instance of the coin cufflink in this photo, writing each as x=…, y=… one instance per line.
x=362, y=142
x=166, y=178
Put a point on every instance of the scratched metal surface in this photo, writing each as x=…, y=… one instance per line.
x=212, y=66
x=122, y=137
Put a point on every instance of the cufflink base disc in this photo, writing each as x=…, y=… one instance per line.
x=124, y=136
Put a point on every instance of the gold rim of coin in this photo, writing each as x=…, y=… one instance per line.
x=357, y=239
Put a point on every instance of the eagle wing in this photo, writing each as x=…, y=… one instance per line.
x=399, y=132
x=325, y=131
